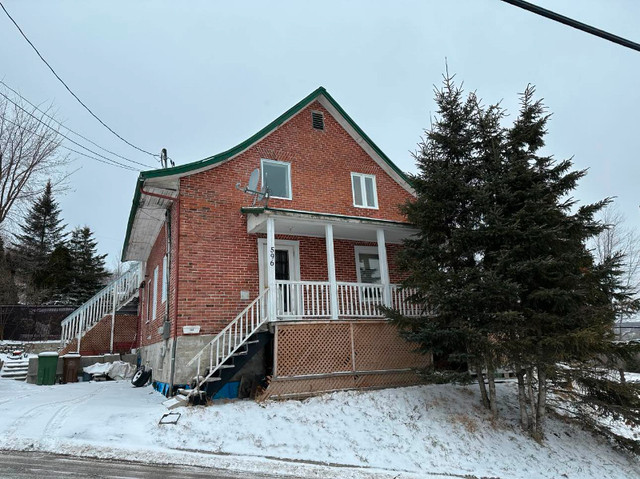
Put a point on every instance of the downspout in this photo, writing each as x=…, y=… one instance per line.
x=175, y=319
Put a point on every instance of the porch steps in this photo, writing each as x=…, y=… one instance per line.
x=239, y=339
x=227, y=370
x=15, y=369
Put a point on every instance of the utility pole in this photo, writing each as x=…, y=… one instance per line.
x=163, y=158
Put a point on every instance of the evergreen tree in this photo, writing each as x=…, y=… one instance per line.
x=41, y=232
x=500, y=261
x=446, y=262
x=544, y=252
x=58, y=275
x=8, y=289
x=89, y=273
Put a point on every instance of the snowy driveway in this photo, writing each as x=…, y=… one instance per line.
x=414, y=432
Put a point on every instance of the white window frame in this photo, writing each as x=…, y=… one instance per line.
x=276, y=162
x=165, y=279
x=363, y=191
x=155, y=294
x=365, y=250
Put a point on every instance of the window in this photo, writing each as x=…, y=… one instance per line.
x=368, y=264
x=155, y=294
x=148, y=286
x=368, y=271
x=276, y=175
x=165, y=277
x=364, y=190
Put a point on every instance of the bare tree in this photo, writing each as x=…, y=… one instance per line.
x=618, y=238
x=29, y=154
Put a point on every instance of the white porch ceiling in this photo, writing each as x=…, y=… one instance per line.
x=343, y=228
x=148, y=220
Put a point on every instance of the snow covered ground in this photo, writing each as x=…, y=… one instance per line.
x=408, y=432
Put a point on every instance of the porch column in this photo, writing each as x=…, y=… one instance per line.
x=384, y=268
x=271, y=268
x=331, y=267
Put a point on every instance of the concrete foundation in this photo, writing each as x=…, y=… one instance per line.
x=158, y=357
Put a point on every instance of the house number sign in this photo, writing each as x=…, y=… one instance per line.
x=272, y=256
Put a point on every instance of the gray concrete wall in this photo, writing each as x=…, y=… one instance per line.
x=158, y=357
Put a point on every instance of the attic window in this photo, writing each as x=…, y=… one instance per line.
x=317, y=120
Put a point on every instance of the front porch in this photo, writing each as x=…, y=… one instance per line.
x=322, y=282
x=355, y=248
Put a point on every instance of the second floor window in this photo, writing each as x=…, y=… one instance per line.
x=364, y=190
x=276, y=175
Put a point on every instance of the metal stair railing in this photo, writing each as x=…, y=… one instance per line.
x=110, y=298
x=225, y=344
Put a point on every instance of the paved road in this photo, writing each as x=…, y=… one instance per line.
x=22, y=465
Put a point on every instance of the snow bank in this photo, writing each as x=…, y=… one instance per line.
x=407, y=432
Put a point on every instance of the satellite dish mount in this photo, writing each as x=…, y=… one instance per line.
x=252, y=189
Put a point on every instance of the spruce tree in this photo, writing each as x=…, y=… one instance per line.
x=8, y=289
x=89, y=273
x=445, y=262
x=58, y=275
x=501, y=262
x=41, y=232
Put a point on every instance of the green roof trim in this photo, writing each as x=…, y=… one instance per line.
x=306, y=101
x=225, y=155
x=132, y=214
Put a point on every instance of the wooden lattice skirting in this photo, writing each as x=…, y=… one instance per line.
x=311, y=358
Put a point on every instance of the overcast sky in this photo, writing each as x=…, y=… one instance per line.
x=200, y=77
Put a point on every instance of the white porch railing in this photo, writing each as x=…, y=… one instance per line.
x=232, y=337
x=298, y=298
x=110, y=298
x=400, y=301
x=312, y=299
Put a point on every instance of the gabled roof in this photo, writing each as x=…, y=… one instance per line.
x=167, y=179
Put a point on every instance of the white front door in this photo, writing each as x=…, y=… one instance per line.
x=287, y=266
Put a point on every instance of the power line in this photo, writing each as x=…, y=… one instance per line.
x=69, y=129
x=62, y=134
x=69, y=89
x=574, y=23
x=108, y=162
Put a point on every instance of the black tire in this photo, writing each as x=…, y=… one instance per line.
x=141, y=377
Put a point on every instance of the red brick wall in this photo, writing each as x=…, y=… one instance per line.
x=218, y=259
x=148, y=326
x=313, y=258
x=98, y=339
x=321, y=166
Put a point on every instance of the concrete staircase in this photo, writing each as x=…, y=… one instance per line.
x=15, y=369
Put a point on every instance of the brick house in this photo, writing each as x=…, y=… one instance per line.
x=284, y=287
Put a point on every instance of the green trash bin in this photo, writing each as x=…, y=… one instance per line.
x=47, y=366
